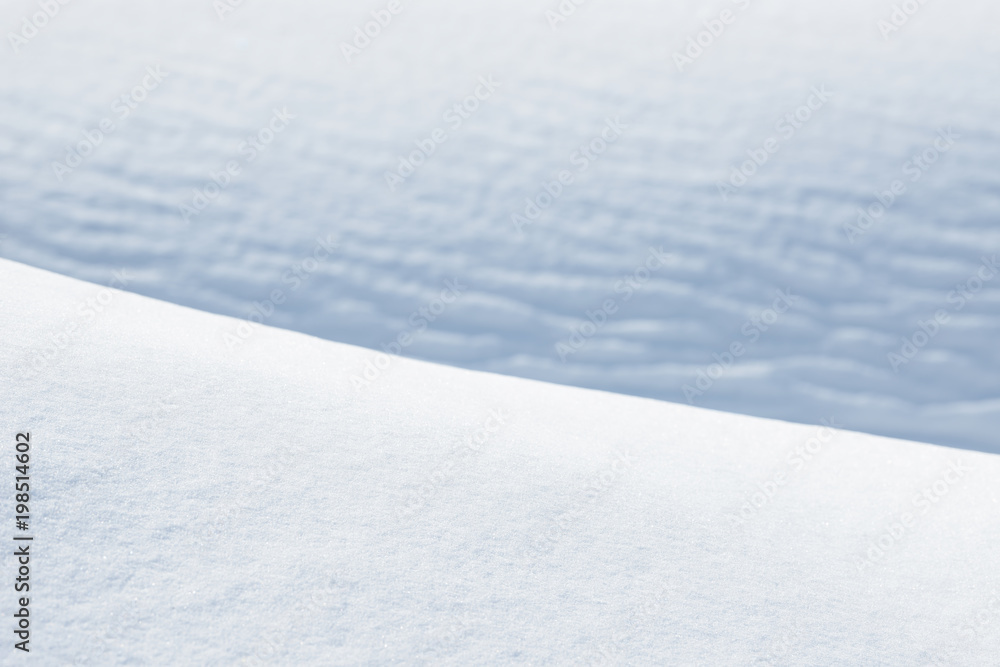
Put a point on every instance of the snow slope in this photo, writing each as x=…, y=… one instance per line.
x=196, y=503
x=655, y=186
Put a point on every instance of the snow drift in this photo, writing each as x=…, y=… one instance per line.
x=198, y=502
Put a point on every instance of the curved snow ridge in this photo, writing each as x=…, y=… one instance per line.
x=201, y=502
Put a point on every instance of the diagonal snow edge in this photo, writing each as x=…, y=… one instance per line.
x=200, y=501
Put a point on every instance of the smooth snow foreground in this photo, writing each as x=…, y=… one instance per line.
x=202, y=502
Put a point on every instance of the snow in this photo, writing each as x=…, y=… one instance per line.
x=656, y=186
x=201, y=503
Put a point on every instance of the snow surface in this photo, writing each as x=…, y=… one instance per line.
x=655, y=187
x=197, y=504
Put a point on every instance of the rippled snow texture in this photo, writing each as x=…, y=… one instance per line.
x=656, y=186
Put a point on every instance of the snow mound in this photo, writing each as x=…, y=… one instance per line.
x=197, y=501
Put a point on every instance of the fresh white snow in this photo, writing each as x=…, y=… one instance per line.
x=656, y=185
x=197, y=503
